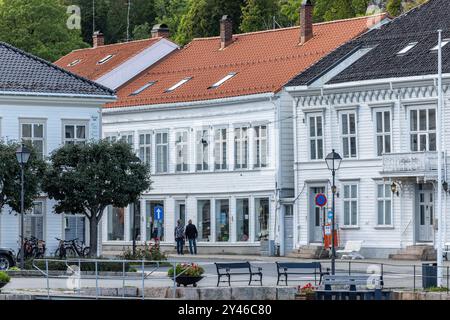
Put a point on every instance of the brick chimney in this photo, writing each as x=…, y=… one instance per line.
x=98, y=39
x=160, y=30
x=226, y=32
x=306, y=21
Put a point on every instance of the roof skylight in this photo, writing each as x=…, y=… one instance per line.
x=178, y=84
x=144, y=87
x=74, y=63
x=443, y=44
x=105, y=59
x=408, y=48
x=223, y=80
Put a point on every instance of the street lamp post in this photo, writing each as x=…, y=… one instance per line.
x=333, y=161
x=22, y=154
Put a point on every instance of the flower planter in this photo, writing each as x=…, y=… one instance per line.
x=187, y=280
x=305, y=297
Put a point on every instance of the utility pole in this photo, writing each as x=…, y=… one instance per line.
x=128, y=20
x=439, y=114
x=93, y=16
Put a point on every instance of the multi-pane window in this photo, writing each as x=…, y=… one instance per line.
x=116, y=224
x=423, y=129
x=384, y=204
x=128, y=138
x=348, y=132
x=242, y=220
x=111, y=138
x=204, y=220
x=220, y=149
x=162, y=152
x=262, y=213
x=383, y=131
x=316, y=137
x=241, y=148
x=34, y=221
x=202, y=139
x=181, y=149
x=75, y=227
x=145, y=148
x=260, y=146
x=222, y=220
x=75, y=134
x=350, y=202
x=34, y=133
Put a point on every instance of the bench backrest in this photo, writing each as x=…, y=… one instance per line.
x=312, y=266
x=233, y=265
x=353, y=245
x=373, y=281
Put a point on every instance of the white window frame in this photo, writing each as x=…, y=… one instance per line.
x=182, y=151
x=420, y=132
x=220, y=149
x=30, y=214
x=178, y=84
x=349, y=135
x=202, y=149
x=350, y=200
x=258, y=141
x=162, y=145
x=32, y=139
x=75, y=124
x=241, y=143
x=407, y=48
x=145, y=148
x=383, y=134
x=316, y=138
x=384, y=199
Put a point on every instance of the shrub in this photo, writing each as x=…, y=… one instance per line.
x=149, y=252
x=437, y=289
x=85, y=266
x=4, y=277
x=190, y=270
x=14, y=269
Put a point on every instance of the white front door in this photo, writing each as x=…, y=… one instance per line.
x=316, y=216
x=425, y=213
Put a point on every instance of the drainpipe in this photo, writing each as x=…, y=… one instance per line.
x=276, y=236
x=296, y=173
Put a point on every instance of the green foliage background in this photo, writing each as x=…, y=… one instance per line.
x=39, y=26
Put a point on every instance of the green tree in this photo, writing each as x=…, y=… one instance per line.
x=170, y=13
x=394, y=7
x=258, y=15
x=142, y=31
x=10, y=173
x=89, y=178
x=38, y=27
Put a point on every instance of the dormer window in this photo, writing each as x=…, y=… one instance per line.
x=105, y=59
x=223, y=80
x=443, y=44
x=178, y=84
x=406, y=49
x=144, y=87
x=74, y=63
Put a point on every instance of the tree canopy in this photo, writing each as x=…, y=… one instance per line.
x=10, y=173
x=89, y=178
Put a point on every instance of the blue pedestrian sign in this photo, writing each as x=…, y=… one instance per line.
x=330, y=215
x=159, y=213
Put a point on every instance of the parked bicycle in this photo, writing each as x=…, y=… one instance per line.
x=32, y=248
x=71, y=249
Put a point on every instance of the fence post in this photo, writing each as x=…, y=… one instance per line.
x=414, y=279
x=48, y=280
x=96, y=279
x=349, y=268
x=174, y=280
x=123, y=279
x=447, y=278
x=143, y=280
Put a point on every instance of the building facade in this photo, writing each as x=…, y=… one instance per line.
x=49, y=107
x=374, y=101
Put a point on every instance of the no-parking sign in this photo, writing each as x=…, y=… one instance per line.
x=321, y=200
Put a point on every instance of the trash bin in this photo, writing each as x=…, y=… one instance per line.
x=429, y=275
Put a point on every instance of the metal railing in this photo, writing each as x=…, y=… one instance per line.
x=124, y=275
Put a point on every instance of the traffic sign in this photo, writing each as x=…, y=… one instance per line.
x=321, y=200
x=159, y=213
x=330, y=215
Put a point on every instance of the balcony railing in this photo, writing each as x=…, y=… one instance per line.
x=410, y=164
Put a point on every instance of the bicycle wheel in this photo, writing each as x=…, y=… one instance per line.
x=71, y=253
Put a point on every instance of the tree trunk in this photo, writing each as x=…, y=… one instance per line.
x=93, y=235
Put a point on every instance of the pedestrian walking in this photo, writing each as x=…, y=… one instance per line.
x=179, y=236
x=191, y=235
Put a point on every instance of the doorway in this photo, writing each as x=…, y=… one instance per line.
x=425, y=213
x=316, y=216
x=288, y=228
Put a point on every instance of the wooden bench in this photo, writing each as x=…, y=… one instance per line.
x=352, y=287
x=351, y=250
x=299, y=268
x=243, y=268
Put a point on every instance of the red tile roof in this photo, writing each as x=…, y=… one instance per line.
x=264, y=62
x=89, y=67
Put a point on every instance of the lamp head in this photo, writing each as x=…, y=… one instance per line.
x=333, y=160
x=23, y=155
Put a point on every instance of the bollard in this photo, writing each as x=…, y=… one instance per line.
x=143, y=280
x=175, y=280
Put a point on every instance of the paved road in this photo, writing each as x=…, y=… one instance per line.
x=396, y=274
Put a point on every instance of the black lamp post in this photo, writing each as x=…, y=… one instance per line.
x=22, y=154
x=333, y=161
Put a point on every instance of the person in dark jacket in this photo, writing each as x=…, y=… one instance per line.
x=191, y=235
x=179, y=236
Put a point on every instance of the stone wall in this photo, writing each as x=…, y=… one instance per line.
x=411, y=295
